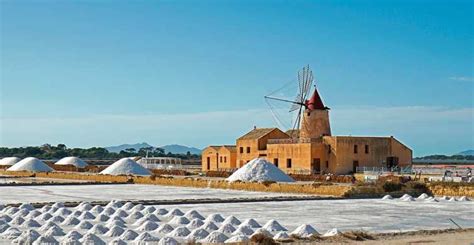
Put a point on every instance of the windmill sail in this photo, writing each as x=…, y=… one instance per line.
x=302, y=88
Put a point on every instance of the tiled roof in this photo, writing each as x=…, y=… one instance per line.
x=256, y=133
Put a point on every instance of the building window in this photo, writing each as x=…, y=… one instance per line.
x=366, y=149
x=225, y=159
x=327, y=164
x=241, y=150
x=288, y=163
x=248, y=149
x=275, y=161
x=355, y=149
x=220, y=159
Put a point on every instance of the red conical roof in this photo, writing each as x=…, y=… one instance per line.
x=315, y=102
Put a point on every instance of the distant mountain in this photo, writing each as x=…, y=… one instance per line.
x=180, y=149
x=177, y=149
x=119, y=148
x=466, y=153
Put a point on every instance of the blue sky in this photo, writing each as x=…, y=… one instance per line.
x=99, y=73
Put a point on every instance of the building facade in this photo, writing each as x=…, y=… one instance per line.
x=311, y=149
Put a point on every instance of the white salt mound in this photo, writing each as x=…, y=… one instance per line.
x=74, y=161
x=243, y=230
x=215, y=237
x=91, y=239
x=423, y=196
x=30, y=164
x=387, y=197
x=197, y=234
x=168, y=241
x=332, y=232
x=273, y=225
x=42, y=240
x=259, y=170
x=9, y=161
x=251, y=222
x=238, y=239
x=27, y=237
x=117, y=241
x=128, y=235
x=125, y=166
x=179, y=232
x=304, y=231
x=281, y=236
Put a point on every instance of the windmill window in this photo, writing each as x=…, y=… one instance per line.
x=288, y=163
x=366, y=149
x=221, y=159
x=248, y=149
x=275, y=161
x=241, y=150
x=225, y=159
x=355, y=149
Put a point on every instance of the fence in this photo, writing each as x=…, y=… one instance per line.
x=161, y=162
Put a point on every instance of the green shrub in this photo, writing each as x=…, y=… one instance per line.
x=391, y=186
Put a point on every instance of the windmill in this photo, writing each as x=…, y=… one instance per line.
x=304, y=84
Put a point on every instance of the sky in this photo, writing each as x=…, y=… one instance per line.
x=100, y=73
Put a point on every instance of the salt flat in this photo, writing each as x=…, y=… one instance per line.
x=17, y=194
x=351, y=214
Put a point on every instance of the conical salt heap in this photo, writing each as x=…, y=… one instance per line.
x=30, y=164
x=126, y=166
x=259, y=170
x=9, y=161
x=74, y=161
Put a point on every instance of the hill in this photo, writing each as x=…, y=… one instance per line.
x=176, y=149
x=180, y=149
x=466, y=153
x=119, y=148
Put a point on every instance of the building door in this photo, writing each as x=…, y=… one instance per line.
x=316, y=165
x=355, y=164
x=208, y=163
x=392, y=162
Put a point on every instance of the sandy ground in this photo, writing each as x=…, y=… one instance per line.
x=450, y=237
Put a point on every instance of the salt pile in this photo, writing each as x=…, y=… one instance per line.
x=117, y=241
x=146, y=238
x=238, y=239
x=387, y=197
x=251, y=222
x=27, y=237
x=9, y=161
x=128, y=235
x=227, y=228
x=210, y=226
x=193, y=214
x=125, y=166
x=232, y=220
x=273, y=225
x=217, y=218
x=165, y=229
x=197, y=234
x=423, y=196
x=148, y=226
x=215, y=237
x=281, y=236
x=463, y=199
x=91, y=239
x=55, y=231
x=115, y=231
x=168, y=241
x=179, y=232
x=332, y=232
x=179, y=220
x=243, y=230
x=74, y=161
x=195, y=223
x=30, y=164
x=259, y=170
x=304, y=231
x=263, y=232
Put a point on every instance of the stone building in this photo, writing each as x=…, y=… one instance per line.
x=311, y=149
